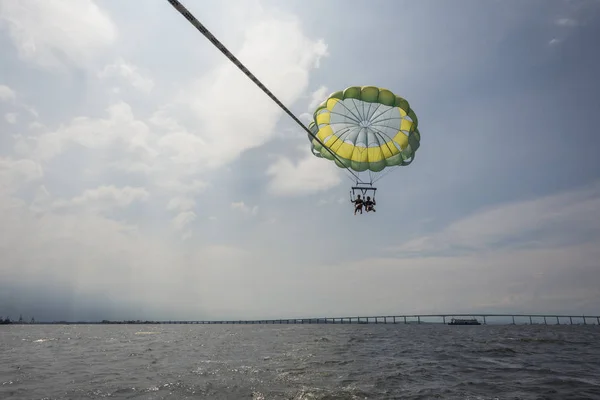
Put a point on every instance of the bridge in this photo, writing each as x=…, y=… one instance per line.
x=510, y=319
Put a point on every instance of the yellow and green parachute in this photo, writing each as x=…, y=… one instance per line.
x=367, y=128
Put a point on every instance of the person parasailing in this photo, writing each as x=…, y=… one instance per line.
x=358, y=204
x=370, y=204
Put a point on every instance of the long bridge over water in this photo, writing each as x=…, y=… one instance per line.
x=493, y=319
x=415, y=319
x=482, y=318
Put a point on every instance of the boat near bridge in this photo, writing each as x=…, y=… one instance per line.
x=462, y=321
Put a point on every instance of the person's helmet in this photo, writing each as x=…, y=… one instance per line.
x=368, y=197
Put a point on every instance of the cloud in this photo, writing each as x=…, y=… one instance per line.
x=173, y=148
x=181, y=222
x=10, y=96
x=241, y=206
x=181, y=203
x=105, y=198
x=524, y=280
x=98, y=262
x=575, y=15
x=547, y=222
x=129, y=73
x=11, y=118
x=48, y=33
x=233, y=113
x=6, y=93
x=120, y=127
x=554, y=42
x=310, y=175
x=185, y=148
x=567, y=22
x=185, y=217
x=317, y=97
x=16, y=173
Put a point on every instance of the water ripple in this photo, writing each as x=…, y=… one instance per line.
x=299, y=362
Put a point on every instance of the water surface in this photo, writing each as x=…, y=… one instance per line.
x=299, y=362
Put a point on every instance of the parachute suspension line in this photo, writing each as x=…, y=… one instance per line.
x=353, y=177
x=188, y=15
x=386, y=172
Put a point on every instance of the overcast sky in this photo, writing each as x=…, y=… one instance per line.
x=142, y=175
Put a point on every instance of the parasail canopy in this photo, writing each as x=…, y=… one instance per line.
x=368, y=129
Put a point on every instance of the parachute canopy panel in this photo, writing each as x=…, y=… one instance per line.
x=367, y=128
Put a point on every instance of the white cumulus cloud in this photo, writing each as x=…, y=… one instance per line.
x=244, y=208
x=106, y=197
x=47, y=31
x=182, y=221
x=129, y=73
x=309, y=175
x=15, y=173
x=234, y=114
x=317, y=97
x=120, y=126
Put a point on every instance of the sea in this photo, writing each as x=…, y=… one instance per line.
x=324, y=361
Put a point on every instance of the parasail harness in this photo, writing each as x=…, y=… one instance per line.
x=363, y=188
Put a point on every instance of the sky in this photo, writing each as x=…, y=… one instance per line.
x=143, y=176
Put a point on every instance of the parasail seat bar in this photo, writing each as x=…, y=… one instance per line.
x=364, y=188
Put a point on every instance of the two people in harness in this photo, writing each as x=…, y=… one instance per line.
x=359, y=203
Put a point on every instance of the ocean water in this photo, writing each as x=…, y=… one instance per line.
x=299, y=362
